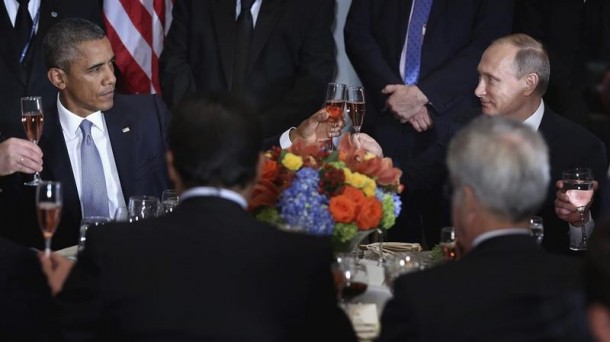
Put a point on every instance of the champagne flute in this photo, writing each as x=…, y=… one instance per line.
x=32, y=120
x=48, y=210
x=355, y=107
x=578, y=186
x=335, y=100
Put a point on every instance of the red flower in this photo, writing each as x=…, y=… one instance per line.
x=342, y=208
x=370, y=214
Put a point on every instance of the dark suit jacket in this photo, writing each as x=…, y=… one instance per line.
x=209, y=271
x=505, y=289
x=16, y=82
x=25, y=298
x=570, y=146
x=457, y=33
x=291, y=58
x=136, y=126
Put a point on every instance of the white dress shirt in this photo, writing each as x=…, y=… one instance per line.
x=13, y=5
x=73, y=136
x=499, y=232
x=206, y=191
x=256, y=7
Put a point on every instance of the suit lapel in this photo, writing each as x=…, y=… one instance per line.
x=223, y=17
x=267, y=19
x=435, y=14
x=121, y=133
x=57, y=164
x=8, y=45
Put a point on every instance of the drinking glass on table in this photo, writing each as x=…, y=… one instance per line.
x=537, y=228
x=355, y=106
x=335, y=100
x=32, y=120
x=85, y=224
x=48, y=210
x=578, y=186
x=351, y=277
x=169, y=200
x=398, y=264
x=447, y=243
x=143, y=207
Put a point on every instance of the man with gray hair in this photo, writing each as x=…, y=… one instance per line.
x=505, y=285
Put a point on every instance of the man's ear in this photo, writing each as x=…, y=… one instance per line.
x=57, y=78
x=531, y=82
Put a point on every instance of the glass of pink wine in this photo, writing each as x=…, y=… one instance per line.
x=48, y=210
x=33, y=121
x=578, y=186
x=335, y=100
x=355, y=107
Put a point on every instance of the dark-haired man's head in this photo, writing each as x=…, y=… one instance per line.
x=214, y=141
x=80, y=65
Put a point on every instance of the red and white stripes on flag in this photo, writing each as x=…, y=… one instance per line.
x=136, y=29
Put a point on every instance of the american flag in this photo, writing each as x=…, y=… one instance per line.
x=136, y=29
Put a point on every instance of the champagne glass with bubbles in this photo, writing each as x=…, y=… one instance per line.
x=578, y=186
x=335, y=101
x=33, y=121
x=48, y=209
x=355, y=107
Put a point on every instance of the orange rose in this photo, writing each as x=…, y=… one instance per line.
x=370, y=214
x=342, y=208
x=270, y=169
x=356, y=195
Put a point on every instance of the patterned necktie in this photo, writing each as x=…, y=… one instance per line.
x=23, y=25
x=244, y=27
x=94, y=196
x=415, y=39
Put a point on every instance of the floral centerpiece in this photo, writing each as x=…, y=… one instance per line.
x=340, y=193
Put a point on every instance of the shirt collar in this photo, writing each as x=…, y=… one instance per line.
x=498, y=232
x=70, y=122
x=207, y=191
x=534, y=120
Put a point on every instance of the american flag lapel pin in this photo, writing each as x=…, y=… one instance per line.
x=126, y=129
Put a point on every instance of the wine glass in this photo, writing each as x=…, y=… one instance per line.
x=398, y=264
x=169, y=200
x=48, y=210
x=335, y=100
x=32, y=120
x=351, y=277
x=355, y=106
x=447, y=243
x=578, y=186
x=142, y=207
x=537, y=228
x=85, y=224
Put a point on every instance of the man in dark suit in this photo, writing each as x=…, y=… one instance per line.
x=407, y=104
x=254, y=282
x=25, y=297
x=597, y=282
x=24, y=74
x=128, y=135
x=505, y=287
x=288, y=58
x=513, y=76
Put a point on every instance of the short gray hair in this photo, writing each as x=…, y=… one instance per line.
x=505, y=163
x=531, y=57
x=60, y=45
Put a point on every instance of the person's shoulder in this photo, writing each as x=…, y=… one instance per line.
x=11, y=250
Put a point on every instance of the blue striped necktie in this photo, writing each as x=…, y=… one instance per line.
x=94, y=196
x=415, y=39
